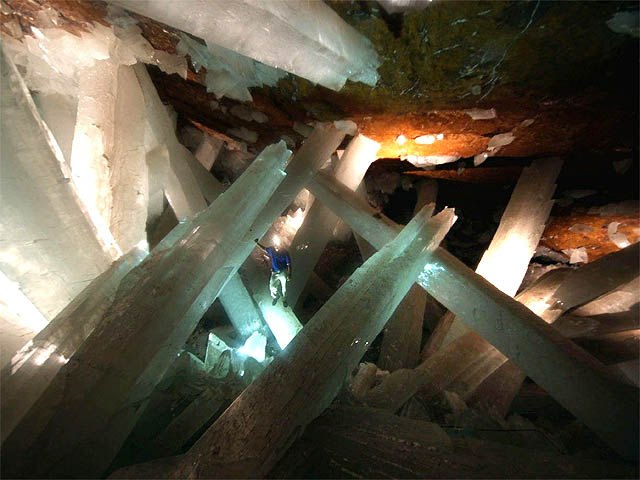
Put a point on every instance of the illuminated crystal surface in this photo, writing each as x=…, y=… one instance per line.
x=319, y=224
x=403, y=332
x=329, y=347
x=118, y=366
x=34, y=366
x=573, y=378
x=309, y=40
x=505, y=262
x=49, y=246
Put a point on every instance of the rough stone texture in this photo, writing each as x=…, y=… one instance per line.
x=554, y=62
x=353, y=442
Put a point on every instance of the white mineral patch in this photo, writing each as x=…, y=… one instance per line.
x=441, y=159
x=628, y=207
x=579, y=193
x=480, y=158
x=580, y=228
x=500, y=140
x=425, y=139
x=304, y=38
x=347, y=126
x=481, y=114
x=577, y=255
x=618, y=238
x=401, y=139
x=527, y=123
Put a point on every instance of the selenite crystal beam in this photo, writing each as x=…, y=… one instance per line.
x=313, y=153
x=19, y=319
x=505, y=262
x=106, y=383
x=59, y=113
x=309, y=40
x=554, y=294
x=571, y=376
x=320, y=222
x=403, y=332
x=128, y=169
x=34, y=366
x=182, y=189
x=189, y=187
x=48, y=246
x=93, y=139
x=247, y=440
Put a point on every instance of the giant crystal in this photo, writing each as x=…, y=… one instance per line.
x=34, y=366
x=572, y=377
x=107, y=381
x=308, y=39
x=247, y=441
x=319, y=223
x=505, y=262
x=49, y=245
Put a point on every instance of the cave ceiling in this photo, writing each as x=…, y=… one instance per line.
x=554, y=63
x=560, y=80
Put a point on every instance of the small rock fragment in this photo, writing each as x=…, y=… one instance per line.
x=618, y=238
x=577, y=255
x=347, y=126
x=481, y=114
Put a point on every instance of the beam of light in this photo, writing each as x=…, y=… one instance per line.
x=255, y=346
x=280, y=323
x=276, y=240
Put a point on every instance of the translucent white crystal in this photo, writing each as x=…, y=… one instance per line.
x=367, y=299
x=127, y=168
x=620, y=239
x=59, y=113
x=182, y=188
x=577, y=255
x=49, y=245
x=302, y=129
x=481, y=114
x=19, y=322
x=34, y=366
x=309, y=40
x=502, y=139
x=154, y=318
x=347, y=126
x=507, y=325
x=228, y=73
x=215, y=348
x=319, y=224
x=480, y=158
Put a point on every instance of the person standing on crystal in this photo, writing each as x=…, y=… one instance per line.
x=280, y=271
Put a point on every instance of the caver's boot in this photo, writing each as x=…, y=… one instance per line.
x=274, y=301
